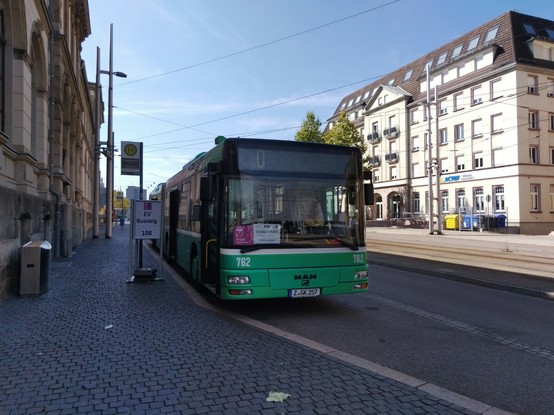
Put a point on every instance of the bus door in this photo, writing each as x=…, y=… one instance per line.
x=174, y=201
x=209, y=230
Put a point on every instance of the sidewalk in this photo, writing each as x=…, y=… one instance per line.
x=95, y=344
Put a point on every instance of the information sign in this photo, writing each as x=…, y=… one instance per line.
x=147, y=219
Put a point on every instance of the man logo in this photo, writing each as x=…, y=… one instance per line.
x=305, y=278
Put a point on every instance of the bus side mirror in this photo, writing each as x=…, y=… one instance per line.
x=368, y=194
x=206, y=191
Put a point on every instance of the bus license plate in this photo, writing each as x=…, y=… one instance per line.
x=304, y=292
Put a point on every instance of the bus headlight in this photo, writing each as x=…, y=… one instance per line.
x=360, y=275
x=238, y=279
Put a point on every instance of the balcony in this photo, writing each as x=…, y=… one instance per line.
x=374, y=137
x=391, y=132
x=391, y=158
x=375, y=161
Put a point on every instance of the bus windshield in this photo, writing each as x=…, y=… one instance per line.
x=273, y=211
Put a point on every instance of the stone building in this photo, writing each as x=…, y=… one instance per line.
x=47, y=134
x=490, y=129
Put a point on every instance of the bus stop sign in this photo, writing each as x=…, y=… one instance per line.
x=146, y=219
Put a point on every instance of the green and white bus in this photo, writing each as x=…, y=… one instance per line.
x=257, y=218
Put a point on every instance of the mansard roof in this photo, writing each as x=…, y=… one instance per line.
x=509, y=36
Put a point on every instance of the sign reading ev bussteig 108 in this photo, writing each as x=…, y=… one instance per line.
x=147, y=219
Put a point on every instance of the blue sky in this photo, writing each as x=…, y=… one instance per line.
x=253, y=68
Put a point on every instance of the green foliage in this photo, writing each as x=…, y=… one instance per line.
x=344, y=133
x=310, y=132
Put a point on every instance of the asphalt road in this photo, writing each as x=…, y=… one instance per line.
x=493, y=346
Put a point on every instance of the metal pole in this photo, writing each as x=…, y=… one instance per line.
x=96, y=187
x=438, y=163
x=109, y=160
x=429, y=154
x=140, y=198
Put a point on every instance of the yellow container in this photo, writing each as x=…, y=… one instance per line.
x=452, y=222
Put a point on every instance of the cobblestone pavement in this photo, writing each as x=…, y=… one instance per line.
x=95, y=344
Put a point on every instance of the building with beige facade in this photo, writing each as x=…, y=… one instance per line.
x=489, y=125
x=47, y=134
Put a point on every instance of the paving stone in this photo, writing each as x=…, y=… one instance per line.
x=96, y=344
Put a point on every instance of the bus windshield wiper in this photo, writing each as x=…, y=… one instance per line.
x=272, y=246
x=348, y=244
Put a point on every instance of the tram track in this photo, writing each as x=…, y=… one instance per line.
x=499, y=258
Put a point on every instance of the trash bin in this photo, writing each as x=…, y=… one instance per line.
x=452, y=221
x=35, y=268
x=500, y=221
x=479, y=221
x=466, y=222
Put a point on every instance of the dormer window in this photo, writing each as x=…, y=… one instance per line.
x=408, y=75
x=441, y=59
x=427, y=65
x=473, y=43
x=529, y=29
x=491, y=34
x=457, y=50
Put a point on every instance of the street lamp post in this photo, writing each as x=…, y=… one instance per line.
x=109, y=143
x=96, y=187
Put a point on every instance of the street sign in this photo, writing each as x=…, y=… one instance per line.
x=146, y=219
x=131, y=158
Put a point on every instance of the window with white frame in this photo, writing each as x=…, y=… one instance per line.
x=496, y=124
x=499, y=199
x=550, y=121
x=442, y=107
x=497, y=157
x=376, y=176
x=533, y=155
x=552, y=198
x=460, y=163
x=533, y=119
x=476, y=97
x=550, y=88
x=417, y=203
x=479, y=199
x=478, y=160
x=461, y=200
x=458, y=101
x=414, y=116
x=459, y=132
x=532, y=84
x=496, y=89
x=444, y=165
x=443, y=134
x=551, y=155
x=476, y=128
x=393, y=173
x=535, y=195
x=415, y=143
x=415, y=170
x=392, y=121
x=444, y=198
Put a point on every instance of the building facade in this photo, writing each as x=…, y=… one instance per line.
x=487, y=135
x=47, y=134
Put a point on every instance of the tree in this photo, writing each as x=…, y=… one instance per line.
x=309, y=131
x=344, y=133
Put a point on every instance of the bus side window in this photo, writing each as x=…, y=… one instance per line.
x=196, y=213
